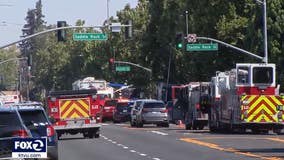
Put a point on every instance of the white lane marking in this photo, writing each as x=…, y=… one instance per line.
x=160, y=133
x=104, y=124
x=133, y=151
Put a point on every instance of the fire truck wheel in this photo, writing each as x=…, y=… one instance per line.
x=91, y=134
x=139, y=125
x=167, y=125
x=132, y=124
x=97, y=135
x=85, y=135
x=187, y=126
x=58, y=136
x=200, y=127
x=212, y=129
x=194, y=127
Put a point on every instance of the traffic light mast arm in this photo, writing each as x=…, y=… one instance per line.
x=54, y=29
x=137, y=65
x=231, y=46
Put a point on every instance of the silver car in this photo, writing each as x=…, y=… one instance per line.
x=134, y=110
x=151, y=112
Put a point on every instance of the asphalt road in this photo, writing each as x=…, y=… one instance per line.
x=121, y=142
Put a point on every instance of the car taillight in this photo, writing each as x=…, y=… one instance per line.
x=197, y=106
x=164, y=111
x=50, y=131
x=20, y=133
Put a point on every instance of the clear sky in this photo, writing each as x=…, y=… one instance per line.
x=94, y=12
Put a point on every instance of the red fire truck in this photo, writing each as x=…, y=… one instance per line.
x=246, y=98
x=75, y=111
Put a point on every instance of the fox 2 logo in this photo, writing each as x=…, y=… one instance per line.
x=29, y=145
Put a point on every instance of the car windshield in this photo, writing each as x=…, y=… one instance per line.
x=36, y=116
x=154, y=105
x=110, y=103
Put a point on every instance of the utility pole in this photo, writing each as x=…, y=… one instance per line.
x=28, y=85
x=108, y=22
x=265, y=32
x=169, y=69
x=186, y=21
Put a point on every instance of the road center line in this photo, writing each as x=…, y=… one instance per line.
x=276, y=139
x=217, y=147
x=125, y=147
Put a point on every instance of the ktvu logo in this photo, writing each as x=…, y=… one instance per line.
x=29, y=148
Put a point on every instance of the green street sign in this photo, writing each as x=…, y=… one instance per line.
x=122, y=68
x=89, y=36
x=202, y=47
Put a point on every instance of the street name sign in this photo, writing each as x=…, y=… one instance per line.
x=89, y=36
x=202, y=47
x=122, y=68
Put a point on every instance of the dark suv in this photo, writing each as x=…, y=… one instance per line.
x=121, y=112
x=36, y=120
x=11, y=126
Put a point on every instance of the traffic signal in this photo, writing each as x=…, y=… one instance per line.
x=111, y=64
x=179, y=41
x=61, y=34
x=128, y=29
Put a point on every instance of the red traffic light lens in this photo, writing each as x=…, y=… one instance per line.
x=111, y=60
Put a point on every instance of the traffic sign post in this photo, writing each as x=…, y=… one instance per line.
x=202, y=47
x=89, y=36
x=122, y=68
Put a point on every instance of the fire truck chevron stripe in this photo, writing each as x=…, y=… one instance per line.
x=255, y=107
x=65, y=106
x=74, y=108
x=83, y=104
x=261, y=108
x=74, y=114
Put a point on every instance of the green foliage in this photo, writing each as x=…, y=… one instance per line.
x=155, y=24
x=9, y=74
